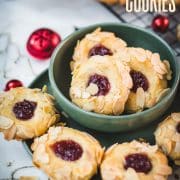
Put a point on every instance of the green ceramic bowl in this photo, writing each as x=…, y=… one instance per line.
x=60, y=78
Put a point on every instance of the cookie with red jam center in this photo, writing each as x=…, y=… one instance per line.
x=63, y=152
x=26, y=113
x=102, y=85
x=96, y=43
x=134, y=160
x=150, y=77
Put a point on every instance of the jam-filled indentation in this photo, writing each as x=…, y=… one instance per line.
x=100, y=50
x=139, y=81
x=24, y=110
x=139, y=162
x=67, y=150
x=102, y=83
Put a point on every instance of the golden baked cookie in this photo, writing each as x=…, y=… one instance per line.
x=26, y=113
x=65, y=153
x=149, y=75
x=134, y=161
x=101, y=85
x=96, y=43
x=167, y=136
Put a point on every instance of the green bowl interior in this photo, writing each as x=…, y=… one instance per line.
x=134, y=37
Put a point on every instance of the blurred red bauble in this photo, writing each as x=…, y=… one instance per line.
x=13, y=84
x=42, y=42
x=160, y=23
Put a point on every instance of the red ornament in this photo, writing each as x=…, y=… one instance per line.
x=160, y=23
x=13, y=84
x=42, y=42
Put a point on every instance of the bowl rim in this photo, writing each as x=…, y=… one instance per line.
x=113, y=117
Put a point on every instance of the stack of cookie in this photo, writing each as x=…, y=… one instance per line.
x=110, y=78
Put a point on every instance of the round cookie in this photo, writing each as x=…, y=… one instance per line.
x=96, y=43
x=167, y=136
x=65, y=153
x=134, y=161
x=149, y=75
x=26, y=113
x=101, y=85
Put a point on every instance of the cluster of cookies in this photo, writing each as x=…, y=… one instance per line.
x=110, y=78
x=66, y=153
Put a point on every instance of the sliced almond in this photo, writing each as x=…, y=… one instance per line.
x=5, y=123
x=176, y=117
x=28, y=178
x=131, y=174
x=76, y=92
x=155, y=58
x=117, y=106
x=140, y=55
x=177, y=147
x=162, y=94
x=10, y=133
x=163, y=169
x=160, y=76
x=158, y=132
x=42, y=156
x=92, y=89
x=148, y=54
x=166, y=64
x=53, y=134
x=85, y=95
x=163, y=67
x=89, y=106
x=170, y=127
x=169, y=75
x=35, y=144
x=158, y=69
x=140, y=98
x=176, y=137
x=158, y=177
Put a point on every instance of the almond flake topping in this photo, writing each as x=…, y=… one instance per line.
x=5, y=123
x=92, y=89
x=176, y=117
x=140, y=97
x=177, y=147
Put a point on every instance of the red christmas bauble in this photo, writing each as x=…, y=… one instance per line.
x=160, y=23
x=42, y=42
x=13, y=84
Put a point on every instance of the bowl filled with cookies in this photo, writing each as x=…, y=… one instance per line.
x=113, y=77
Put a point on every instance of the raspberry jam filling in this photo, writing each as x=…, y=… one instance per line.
x=139, y=80
x=102, y=83
x=67, y=150
x=139, y=162
x=100, y=50
x=178, y=127
x=24, y=110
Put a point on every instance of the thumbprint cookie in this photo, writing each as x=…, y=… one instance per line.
x=65, y=153
x=26, y=113
x=150, y=78
x=167, y=136
x=134, y=161
x=96, y=43
x=101, y=85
